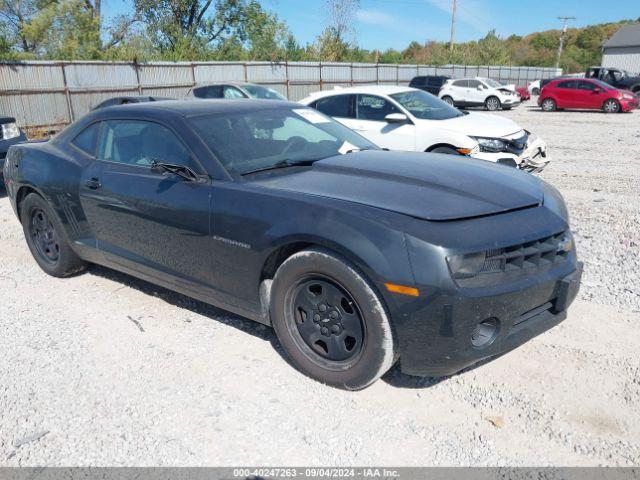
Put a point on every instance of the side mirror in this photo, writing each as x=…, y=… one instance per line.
x=597, y=90
x=396, y=118
x=480, y=87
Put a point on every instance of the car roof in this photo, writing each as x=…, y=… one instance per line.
x=366, y=89
x=201, y=107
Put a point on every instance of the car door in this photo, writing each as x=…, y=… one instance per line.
x=371, y=111
x=476, y=92
x=588, y=95
x=458, y=91
x=141, y=218
x=567, y=94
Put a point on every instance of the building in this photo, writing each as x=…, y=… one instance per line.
x=623, y=49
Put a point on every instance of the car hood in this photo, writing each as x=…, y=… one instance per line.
x=423, y=185
x=481, y=125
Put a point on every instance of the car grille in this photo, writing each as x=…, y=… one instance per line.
x=538, y=253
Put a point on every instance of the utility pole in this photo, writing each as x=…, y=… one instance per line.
x=453, y=24
x=565, y=20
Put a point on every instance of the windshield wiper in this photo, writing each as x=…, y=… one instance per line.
x=282, y=164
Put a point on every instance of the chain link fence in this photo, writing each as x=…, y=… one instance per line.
x=47, y=95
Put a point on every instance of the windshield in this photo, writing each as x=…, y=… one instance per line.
x=254, y=140
x=491, y=82
x=425, y=106
x=256, y=91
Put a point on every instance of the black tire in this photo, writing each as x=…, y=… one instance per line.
x=611, y=106
x=448, y=99
x=46, y=238
x=493, y=104
x=549, y=105
x=535, y=91
x=330, y=321
x=446, y=150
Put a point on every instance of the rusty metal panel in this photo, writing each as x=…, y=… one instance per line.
x=36, y=109
x=336, y=72
x=165, y=74
x=365, y=72
x=207, y=73
x=82, y=103
x=98, y=75
x=178, y=93
x=304, y=72
x=266, y=72
x=30, y=76
x=298, y=92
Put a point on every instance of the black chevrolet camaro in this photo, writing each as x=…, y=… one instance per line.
x=357, y=257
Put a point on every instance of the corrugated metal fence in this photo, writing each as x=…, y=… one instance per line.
x=43, y=94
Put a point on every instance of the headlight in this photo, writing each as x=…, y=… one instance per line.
x=467, y=265
x=10, y=130
x=491, y=144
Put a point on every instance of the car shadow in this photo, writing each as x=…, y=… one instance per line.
x=3, y=191
x=201, y=308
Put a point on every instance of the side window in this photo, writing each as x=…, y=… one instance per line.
x=335, y=106
x=213, y=91
x=232, y=92
x=568, y=84
x=461, y=83
x=134, y=142
x=474, y=83
x=586, y=86
x=370, y=107
x=419, y=81
x=87, y=139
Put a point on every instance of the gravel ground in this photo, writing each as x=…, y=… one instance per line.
x=103, y=369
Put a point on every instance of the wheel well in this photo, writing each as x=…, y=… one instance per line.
x=438, y=145
x=278, y=256
x=636, y=88
x=22, y=194
x=492, y=96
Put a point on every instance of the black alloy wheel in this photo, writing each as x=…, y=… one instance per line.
x=44, y=235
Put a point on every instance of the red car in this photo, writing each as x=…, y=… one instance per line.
x=524, y=93
x=585, y=93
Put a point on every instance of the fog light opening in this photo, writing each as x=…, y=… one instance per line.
x=485, y=332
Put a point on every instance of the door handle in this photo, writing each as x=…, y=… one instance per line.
x=93, y=183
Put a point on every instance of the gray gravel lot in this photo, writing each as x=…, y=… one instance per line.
x=102, y=369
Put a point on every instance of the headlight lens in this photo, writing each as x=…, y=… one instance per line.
x=10, y=130
x=491, y=144
x=467, y=265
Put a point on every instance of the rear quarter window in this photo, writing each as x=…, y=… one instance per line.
x=87, y=139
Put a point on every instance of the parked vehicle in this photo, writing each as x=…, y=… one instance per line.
x=524, y=93
x=10, y=134
x=110, y=102
x=478, y=92
x=235, y=91
x=401, y=118
x=615, y=77
x=356, y=256
x=586, y=93
x=534, y=87
x=429, y=83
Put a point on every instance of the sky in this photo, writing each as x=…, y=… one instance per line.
x=383, y=24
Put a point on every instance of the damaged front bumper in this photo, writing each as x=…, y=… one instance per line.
x=533, y=158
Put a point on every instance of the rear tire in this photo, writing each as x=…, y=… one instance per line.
x=611, y=106
x=549, y=105
x=330, y=321
x=493, y=104
x=46, y=238
x=448, y=99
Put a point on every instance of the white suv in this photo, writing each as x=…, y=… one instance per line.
x=404, y=118
x=478, y=92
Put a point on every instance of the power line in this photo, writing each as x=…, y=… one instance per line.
x=565, y=21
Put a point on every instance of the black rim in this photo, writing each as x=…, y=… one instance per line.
x=44, y=236
x=327, y=320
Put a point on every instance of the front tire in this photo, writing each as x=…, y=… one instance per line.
x=611, y=106
x=493, y=104
x=549, y=105
x=330, y=321
x=46, y=238
x=448, y=99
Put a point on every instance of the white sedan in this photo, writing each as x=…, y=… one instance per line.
x=403, y=118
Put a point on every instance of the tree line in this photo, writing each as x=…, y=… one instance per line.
x=200, y=30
